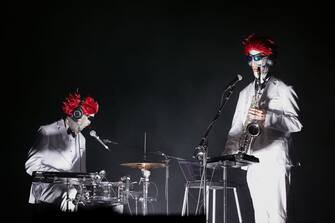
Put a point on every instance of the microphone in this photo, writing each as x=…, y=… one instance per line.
x=234, y=81
x=258, y=84
x=94, y=134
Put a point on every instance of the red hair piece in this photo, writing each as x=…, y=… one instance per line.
x=89, y=105
x=263, y=44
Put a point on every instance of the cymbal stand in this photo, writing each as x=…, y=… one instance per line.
x=125, y=191
x=146, y=174
x=136, y=204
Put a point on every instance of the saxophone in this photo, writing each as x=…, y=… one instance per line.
x=252, y=128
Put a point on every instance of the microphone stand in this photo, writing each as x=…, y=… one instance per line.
x=201, y=151
x=167, y=159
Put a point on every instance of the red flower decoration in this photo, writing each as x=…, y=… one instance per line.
x=90, y=107
x=73, y=101
x=260, y=43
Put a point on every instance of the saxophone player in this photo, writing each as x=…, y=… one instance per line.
x=276, y=115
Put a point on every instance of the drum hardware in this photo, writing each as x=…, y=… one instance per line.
x=98, y=193
x=92, y=188
x=136, y=197
x=150, y=199
x=145, y=168
x=146, y=173
x=124, y=189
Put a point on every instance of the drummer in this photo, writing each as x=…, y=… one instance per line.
x=60, y=147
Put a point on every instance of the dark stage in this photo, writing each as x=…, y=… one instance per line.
x=160, y=69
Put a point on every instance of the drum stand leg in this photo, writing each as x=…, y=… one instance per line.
x=126, y=202
x=136, y=202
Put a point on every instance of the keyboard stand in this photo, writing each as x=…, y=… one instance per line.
x=230, y=161
x=210, y=186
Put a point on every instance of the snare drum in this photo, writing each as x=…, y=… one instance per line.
x=102, y=193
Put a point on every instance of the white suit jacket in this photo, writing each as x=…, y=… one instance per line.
x=54, y=150
x=279, y=101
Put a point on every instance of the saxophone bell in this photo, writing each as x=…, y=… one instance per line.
x=254, y=129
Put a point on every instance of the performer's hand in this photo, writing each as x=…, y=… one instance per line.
x=67, y=203
x=257, y=114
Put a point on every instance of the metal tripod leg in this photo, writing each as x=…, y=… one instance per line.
x=207, y=203
x=185, y=201
x=214, y=206
x=237, y=206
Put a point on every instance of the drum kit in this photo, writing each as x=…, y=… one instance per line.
x=94, y=190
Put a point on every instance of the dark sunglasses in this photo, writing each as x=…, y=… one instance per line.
x=256, y=57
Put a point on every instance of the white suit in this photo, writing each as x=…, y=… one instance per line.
x=268, y=180
x=54, y=150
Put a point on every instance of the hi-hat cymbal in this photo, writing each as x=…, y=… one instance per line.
x=144, y=165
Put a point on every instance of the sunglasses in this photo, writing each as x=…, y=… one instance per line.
x=256, y=57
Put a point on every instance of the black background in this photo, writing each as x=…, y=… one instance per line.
x=160, y=68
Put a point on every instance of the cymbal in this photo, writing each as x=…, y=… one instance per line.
x=144, y=165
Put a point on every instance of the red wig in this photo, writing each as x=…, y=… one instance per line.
x=260, y=43
x=73, y=101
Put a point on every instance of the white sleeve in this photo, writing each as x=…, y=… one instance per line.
x=283, y=112
x=36, y=154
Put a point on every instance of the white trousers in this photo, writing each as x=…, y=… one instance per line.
x=268, y=183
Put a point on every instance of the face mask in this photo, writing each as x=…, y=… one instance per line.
x=259, y=64
x=79, y=125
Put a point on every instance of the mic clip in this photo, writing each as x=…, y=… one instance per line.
x=201, y=150
x=109, y=141
x=164, y=155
